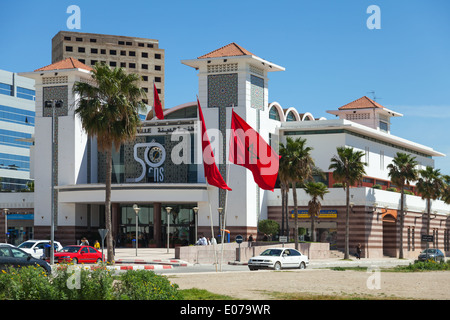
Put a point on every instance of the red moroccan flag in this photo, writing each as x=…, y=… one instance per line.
x=212, y=173
x=249, y=150
x=157, y=106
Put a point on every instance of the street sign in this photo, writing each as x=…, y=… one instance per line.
x=103, y=233
x=282, y=239
x=427, y=238
x=239, y=239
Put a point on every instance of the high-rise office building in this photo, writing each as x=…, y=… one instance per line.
x=17, y=111
x=137, y=55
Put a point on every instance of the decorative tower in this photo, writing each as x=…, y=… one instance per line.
x=234, y=77
x=63, y=154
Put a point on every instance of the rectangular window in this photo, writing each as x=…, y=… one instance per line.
x=69, y=49
x=123, y=64
x=144, y=54
x=144, y=78
x=145, y=89
x=157, y=56
x=121, y=43
x=384, y=126
x=81, y=49
x=145, y=66
x=93, y=62
x=112, y=52
x=6, y=89
x=94, y=50
x=26, y=93
x=123, y=53
x=129, y=43
x=93, y=40
x=157, y=79
x=149, y=45
x=102, y=51
x=113, y=63
x=67, y=38
x=132, y=53
x=132, y=65
x=79, y=39
x=82, y=60
x=157, y=68
x=140, y=44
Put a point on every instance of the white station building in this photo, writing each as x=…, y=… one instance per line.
x=163, y=166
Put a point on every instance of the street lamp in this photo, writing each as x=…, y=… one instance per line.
x=6, y=224
x=196, y=222
x=220, y=210
x=53, y=104
x=136, y=211
x=168, y=209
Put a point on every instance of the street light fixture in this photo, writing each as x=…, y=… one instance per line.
x=136, y=211
x=168, y=209
x=53, y=104
x=196, y=222
x=6, y=224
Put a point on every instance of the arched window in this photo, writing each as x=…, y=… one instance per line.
x=273, y=114
x=291, y=116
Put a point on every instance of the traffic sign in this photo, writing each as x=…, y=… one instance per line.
x=427, y=238
x=239, y=239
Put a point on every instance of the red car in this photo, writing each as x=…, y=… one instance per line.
x=78, y=254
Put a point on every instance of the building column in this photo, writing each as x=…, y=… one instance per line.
x=157, y=223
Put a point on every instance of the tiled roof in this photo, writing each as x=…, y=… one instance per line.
x=361, y=103
x=69, y=63
x=229, y=50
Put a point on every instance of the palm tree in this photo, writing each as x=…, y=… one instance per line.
x=299, y=164
x=429, y=186
x=446, y=191
x=349, y=170
x=402, y=171
x=108, y=110
x=316, y=190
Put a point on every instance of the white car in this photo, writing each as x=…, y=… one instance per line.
x=36, y=247
x=278, y=258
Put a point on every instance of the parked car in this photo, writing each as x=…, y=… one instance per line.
x=17, y=258
x=432, y=254
x=36, y=247
x=278, y=258
x=78, y=254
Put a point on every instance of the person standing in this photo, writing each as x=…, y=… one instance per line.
x=358, y=251
x=250, y=240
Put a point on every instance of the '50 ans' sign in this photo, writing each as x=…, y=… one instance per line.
x=154, y=157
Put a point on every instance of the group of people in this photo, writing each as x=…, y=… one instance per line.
x=203, y=241
x=85, y=242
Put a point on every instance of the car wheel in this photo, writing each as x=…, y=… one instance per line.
x=302, y=265
x=253, y=269
x=74, y=261
x=99, y=260
x=277, y=266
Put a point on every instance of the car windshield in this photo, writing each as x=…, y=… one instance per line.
x=272, y=252
x=429, y=251
x=26, y=245
x=70, y=249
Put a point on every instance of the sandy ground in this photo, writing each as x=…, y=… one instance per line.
x=254, y=285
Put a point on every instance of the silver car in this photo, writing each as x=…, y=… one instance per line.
x=432, y=254
x=279, y=258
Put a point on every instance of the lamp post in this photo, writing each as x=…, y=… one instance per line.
x=196, y=222
x=220, y=210
x=168, y=209
x=53, y=104
x=136, y=211
x=6, y=224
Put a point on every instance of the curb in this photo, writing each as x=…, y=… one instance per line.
x=143, y=267
x=174, y=263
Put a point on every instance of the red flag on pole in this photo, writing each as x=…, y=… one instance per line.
x=157, y=106
x=249, y=150
x=212, y=173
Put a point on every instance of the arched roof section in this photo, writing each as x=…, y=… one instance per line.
x=183, y=111
x=275, y=106
x=307, y=117
x=292, y=115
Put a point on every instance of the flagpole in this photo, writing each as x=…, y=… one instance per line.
x=212, y=228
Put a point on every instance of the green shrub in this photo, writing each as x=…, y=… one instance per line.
x=429, y=265
x=376, y=186
x=392, y=189
x=78, y=283
x=338, y=185
x=146, y=285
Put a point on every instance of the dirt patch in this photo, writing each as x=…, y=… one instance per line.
x=255, y=285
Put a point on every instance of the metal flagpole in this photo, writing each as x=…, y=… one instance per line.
x=224, y=216
x=212, y=228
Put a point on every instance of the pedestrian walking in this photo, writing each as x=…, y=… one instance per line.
x=358, y=251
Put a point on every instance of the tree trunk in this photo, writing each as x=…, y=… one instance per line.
x=402, y=222
x=109, y=235
x=294, y=195
x=283, y=196
x=286, y=203
x=313, y=226
x=428, y=221
x=347, y=223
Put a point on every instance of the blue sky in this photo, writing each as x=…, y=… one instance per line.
x=331, y=57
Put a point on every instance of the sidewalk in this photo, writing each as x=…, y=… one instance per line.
x=159, y=258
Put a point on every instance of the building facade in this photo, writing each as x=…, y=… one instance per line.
x=163, y=167
x=17, y=120
x=137, y=55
